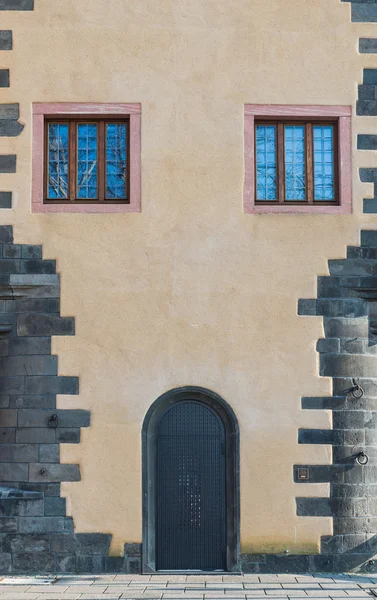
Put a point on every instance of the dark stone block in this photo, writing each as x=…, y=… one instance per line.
x=364, y=13
x=356, y=419
x=320, y=403
x=8, y=524
x=330, y=287
x=352, y=267
x=11, y=251
x=34, y=345
x=9, y=112
x=366, y=108
x=5, y=562
x=52, y=385
x=34, y=252
x=5, y=199
x=12, y=385
x=43, y=524
x=291, y=563
x=346, y=328
x=6, y=40
x=367, y=175
x=8, y=417
x=6, y=234
x=55, y=507
x=317, y=473
x=315, y=436
x=32, y=401
x=35, y=436
x=19, y=507
x=326, y=345
x=14, y=472
x=132, y=550
x=49, y=453
x=26, y=543
x=366, y=142
x=10, y=128
x=4, y=77
x=44, y=324
x=90, y=564
x=44, y=305
x=361, y=252
x=38, y=266
x=352, y=365
x=307, y=307
x=28, y=562
x=65, y=563
x=4, y=401
x=355, y=346
x=68, y=436
x=370, y=206
x=4, y=347
x=321, y=563
x=66, y=418
x=7, y=436
x=134, y=566
x=52, y=473
x=367, y=92
x=355, y=525
x=64, y=544
x=38, y=286
x=314, y=507
x=93, y=543
x=30, y=366
x=10, y=266
x=18, y=453
x=354, y=543
x=331, y=544
x=368, y=46
x=16, y=4
x=368, y=237
x=114, y=564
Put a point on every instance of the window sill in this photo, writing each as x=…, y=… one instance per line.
x=291, y=209
x=87, y=207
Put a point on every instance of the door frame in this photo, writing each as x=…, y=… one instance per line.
x=149, y=431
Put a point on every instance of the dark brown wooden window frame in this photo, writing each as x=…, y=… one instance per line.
x=73, y=121
x=280, y=123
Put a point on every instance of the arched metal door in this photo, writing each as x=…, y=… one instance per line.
x=190, y=489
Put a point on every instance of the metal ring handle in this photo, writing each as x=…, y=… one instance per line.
x=53, y=421
x=357, y=391
x=362, y=459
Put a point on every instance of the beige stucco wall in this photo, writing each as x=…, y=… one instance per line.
x=192, y=290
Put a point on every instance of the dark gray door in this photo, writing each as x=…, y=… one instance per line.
x=190, y=489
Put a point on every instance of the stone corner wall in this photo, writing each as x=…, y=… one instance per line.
x=36, y=535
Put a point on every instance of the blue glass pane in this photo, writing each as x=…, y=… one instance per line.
x=323, y=162
x=116, y=161
x=58, y=160
x=87, y=167
x=266, y=162
x=295, y=185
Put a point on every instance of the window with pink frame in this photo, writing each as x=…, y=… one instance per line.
x=86, y=157
x=297, y=159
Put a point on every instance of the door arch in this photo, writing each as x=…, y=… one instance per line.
x=190, y=483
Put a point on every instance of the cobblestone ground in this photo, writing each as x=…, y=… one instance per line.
x=160, y=587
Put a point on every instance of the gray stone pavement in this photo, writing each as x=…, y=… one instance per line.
x=187, y=587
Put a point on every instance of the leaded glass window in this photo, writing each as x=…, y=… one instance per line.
x=296, y=162
x=87, y=160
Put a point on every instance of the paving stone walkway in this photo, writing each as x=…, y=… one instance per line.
x=187, y=587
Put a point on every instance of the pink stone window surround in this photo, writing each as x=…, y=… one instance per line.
x=342, y=113
x=41, y=110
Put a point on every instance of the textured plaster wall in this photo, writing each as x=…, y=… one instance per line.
x=191, y=291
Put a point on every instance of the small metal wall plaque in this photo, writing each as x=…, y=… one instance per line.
x=303, y=474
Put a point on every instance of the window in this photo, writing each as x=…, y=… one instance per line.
x=86, y=158
x=297, y=159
